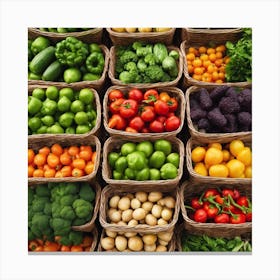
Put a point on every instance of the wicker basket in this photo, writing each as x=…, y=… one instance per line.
x=188, y=80
x=114, y=143
x=195, y=177
x=110, y=191
x=170, y=247
x=217, y=35
x=189, y=190
x=88, y=36
x=97, y=106
x=92, y=140
x=116, y=81
x=95, y=239
x=98, y=84
x=126, y=38
x=201, y=136
x=172, y=91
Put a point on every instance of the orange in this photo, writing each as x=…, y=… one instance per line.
x=204, y=57
x=53, y=160
x=30, y=170
x=190, y=69
x=197, y=62
x=197, y=77
x=198, y=70
x=220, y=48
x=40, y=159
x=56, y=149
x=38, y=173
x=79, y=163
x=65, y=159
x=213, y=156
x=76, y=172
x=219, y=54
x=202, y=49
x=89, y=167
x=210, y=50
x=31, y=156
x=198, y=154
x=218, y=62
x=45, y=150
x=193, y=50
x=50, y=173
x=190, y=56
x=212, y=57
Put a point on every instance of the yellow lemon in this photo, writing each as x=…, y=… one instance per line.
x=236, y=146
x=201, y=169
x=215, y=145
x=248, y=172
x=218, y=170
x=236, y=168
x=245, y=156
x=213, y=156
x=198, y=154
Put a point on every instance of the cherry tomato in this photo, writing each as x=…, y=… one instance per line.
x=136, y=94
x=130, y=129
x=164, y=96
x=236, y=194
x=145, y=130
x=162, y=119
x=231, y=208
x=237, y=219
x=210, y=192
x=137, y=123
x=195, y=203
x=172, y=123
x=117, y=122
x=222, y=218
x=200, y=216
x=148, y=114
x=156, y=126
x=172, y=104
x=249, y=217
x=219, y=199
x=243, y=201
x=226, y=192
x=114, y=107
x=115, y=94
x=206, y=205
x=129, y=108
x=150, y=96
x=161, y=108
x=212, y=212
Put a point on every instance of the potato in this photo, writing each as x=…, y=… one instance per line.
x=156, y=210
x=162, y=29
x=139, y=214
x=161, y=242
x=110, y=233
x=130, y=196
x=145, y=29
x=115, y=216
x=149, y=239
x=161, y=222
x=161, y=202
x=113, y=202
x=120, y=243
x=150, y=248
x=131, y=29
x=107, y=243
x=141, y=196
x=150, y=220
x=161, y=248
x=121, y=223
x=127, y=215
x=124, y=203
x=169, y=202
x=147, y=206
x=130, y=234
x=165, y=236
x=166, y=214
x=154, y=196
x=135, y=203
x=135, y=243
x=119, y=29
x=132, y=223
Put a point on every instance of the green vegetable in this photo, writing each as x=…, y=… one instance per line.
x=128, y=148
x=127, y=77
x=143, y=51
x=86, y=192
x=174, y=54
x=168, y=171
x=160, y=51
x=66, y=119
x=82, y=208
x=90, y=77
x=141, y=65
x=121, y=164
x=42, y=60
x=136, y=160
x=154, y=73
x=32, y=76
x=95, y=63
x=61, y=226
x=112, y=158
x=163, y=145
x=76, y=237
x=143, y=174
x=34, y=105
x=151, y=59
x=145, y=147
x=39, y=44
x=93, y=47
x=71, y=51
x=72, y=75
x=128, y=56
x=169, y=64
x=157, y=159
x=53, y=71
x=42, y=191
x=67, y=213
x=30, y=53
x=49, y=107
x=239, y=68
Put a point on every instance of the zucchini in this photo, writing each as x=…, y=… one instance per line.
x=53, y=71
x=42, y=60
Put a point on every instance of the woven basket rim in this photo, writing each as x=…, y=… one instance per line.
x=96, y=102
x=114, y=132
x=95, y=238
x=205, y=179
x=213, y=31
x=152, y=183
x=115, y=81
x=108, y=191
x=60, y=138
x=137, y=35
x=207, y=135
x=183, y=46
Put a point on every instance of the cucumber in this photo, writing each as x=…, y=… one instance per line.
x=42, y=60
x=53, y=71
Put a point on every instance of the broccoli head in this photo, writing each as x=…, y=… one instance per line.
x=197, y=114
x=143, y=51
x=71, y=188
x=141, y=65
x=67, y=200
x=48, y=208
x=205, y=100
x=79, y=221
x=154, y=72
x=76, y=237
x=131, y=67
x=60, y=226
x=64, y=240
x=231, y=125
x=30, y=195
x=67, y=213
x=56, y=208
x=41, y=221
x=136, y=45
x=216, y=118
x=127, y=77
x=244, y=119
x=38, y=203
x=150, y=59
x=86, y=192
x=42, y=191
x=229, y=105
x=128, y=56
x=82, y=208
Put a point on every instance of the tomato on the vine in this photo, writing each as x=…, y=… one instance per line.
x=196, y=203
x=212, y=212
x=226, y=192
x=129, y=108
x=243, y=201
x=221, y=218
x=161, y=119
x=200, y=216
x=237, y=218
x=210, y=192
x=117, y=122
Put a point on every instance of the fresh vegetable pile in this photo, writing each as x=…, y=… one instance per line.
x=41, y=245
x=145, y=160
x=56, y=111
x=58, y=162
x=222, y=110
x=150, y=208
x=54, y=208
x=143, y=111
x=135, y=242
x=146, y=63
x=140, y=29
x=69, y=60
x=64, y=29
x=196, y=243
x=230, y=160
x=220, y=206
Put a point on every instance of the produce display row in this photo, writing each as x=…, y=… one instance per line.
x=126, y=153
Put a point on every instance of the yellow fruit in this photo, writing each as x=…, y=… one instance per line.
x=236, y=168
x=119, y=29
x=236, y=146
x=162, y=29
x=198, y=154
x=131, y=29
x=226, y=155
x=213, y=156
x=200, y=169
x=248, y=172
x=245, y=156
x=218, y=170
x=215, y=145
x=145, y=29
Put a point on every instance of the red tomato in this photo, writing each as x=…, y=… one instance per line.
x=164, y=96
x=249, y=217
x=172, y=104
x=237, y=219
x=219, y=199
x=195, y=203
x=145, y=130
x=129, y=108
x=200, y=216
x=114, y=107
x=162, y=119
x=148, y=114
x=136, y=94
x=172, y=123
x=243, y=201
x=161, y=108
x=150, y=96
x=210, y=192
x=226, y=192
x=206, y=205
x=222, y=218
x=115, y=94
x=117, y=122
x=156, y=126
x=136, y=123
x=212, y=212
x=130, y=129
